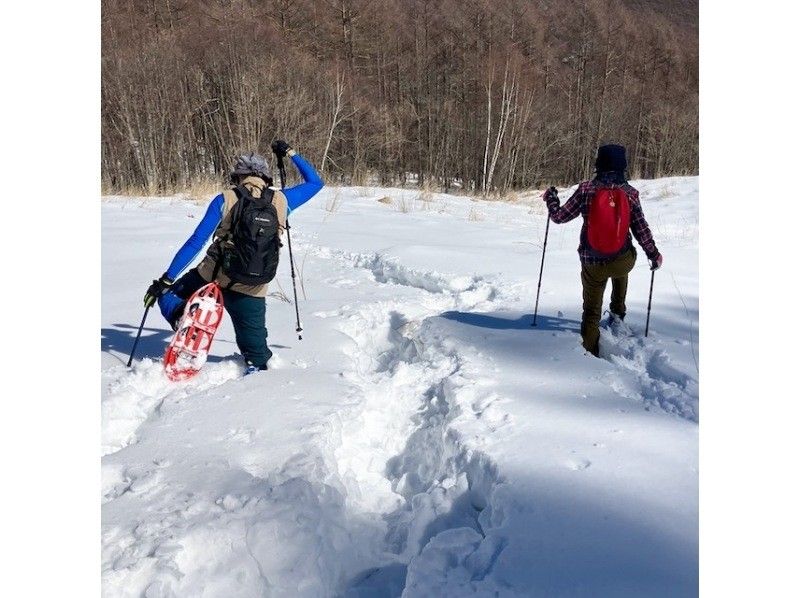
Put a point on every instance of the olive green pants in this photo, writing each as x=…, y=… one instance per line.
x=594, y=278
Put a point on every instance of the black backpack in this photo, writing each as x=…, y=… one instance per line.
x=252, y=259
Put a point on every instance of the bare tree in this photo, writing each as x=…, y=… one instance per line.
x=336, y=110
x=394, y=89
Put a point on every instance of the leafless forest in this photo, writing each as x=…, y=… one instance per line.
x=486, y=96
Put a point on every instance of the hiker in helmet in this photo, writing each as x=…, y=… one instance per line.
x=243, y=291
x=611, y=212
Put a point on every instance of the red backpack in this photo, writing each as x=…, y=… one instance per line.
x=608, y=221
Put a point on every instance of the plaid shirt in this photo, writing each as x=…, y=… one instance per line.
x=579, y=204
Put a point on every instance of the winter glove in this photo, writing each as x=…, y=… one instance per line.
x=656, y=262
x=155, y=290
x=550, y=195
x=281, y=148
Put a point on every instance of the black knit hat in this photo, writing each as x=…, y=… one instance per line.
x=611, y=158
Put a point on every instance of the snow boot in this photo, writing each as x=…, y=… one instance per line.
x=251, y=368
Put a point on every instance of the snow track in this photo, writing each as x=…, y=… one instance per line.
x=646, y=374
x=422, y=440
x=464, y=290
x=134, y=396
x=384, y=480
x=401, y=458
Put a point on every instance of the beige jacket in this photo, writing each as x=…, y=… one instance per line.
x=255, y=185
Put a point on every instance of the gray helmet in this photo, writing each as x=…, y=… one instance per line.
x=251, y=163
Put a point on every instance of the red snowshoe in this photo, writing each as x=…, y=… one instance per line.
x=188, y=350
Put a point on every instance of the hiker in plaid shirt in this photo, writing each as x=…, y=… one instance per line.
x=597, y=268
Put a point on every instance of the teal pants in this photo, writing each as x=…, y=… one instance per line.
x=248, y=315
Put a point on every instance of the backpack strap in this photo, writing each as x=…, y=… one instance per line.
x=268, y=193
x=238, y=207
x=235, y=215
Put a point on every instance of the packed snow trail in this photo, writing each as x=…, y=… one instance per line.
x=401, y=458
x=422, y=439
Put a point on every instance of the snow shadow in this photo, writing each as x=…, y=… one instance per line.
x=674, y=322
x=389, y=581
x=580, y=545
x=494, y=321
x=573, y=545
x=377, y=582
x=119, y=339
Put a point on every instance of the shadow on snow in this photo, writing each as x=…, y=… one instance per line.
x=119, y=339
x=495, y=322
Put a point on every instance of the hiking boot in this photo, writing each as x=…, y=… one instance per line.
x=616, y=325
x=614, y=321
x=251, y=368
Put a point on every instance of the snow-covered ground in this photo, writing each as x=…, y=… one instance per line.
x=422, y=438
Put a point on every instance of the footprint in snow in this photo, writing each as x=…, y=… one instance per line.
x=578, y=464
x=327, y=314
x=342, y=283
x=243, y=435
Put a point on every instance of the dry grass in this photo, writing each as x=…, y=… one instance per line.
x=509, y=196
x=386, y=200
x=666, y=192
x=134, y=191
x=425, y=195
x=280, y=296
x=404, y=205
x=203, y=189
x=333, y=203
x=475, y=215
x=199, y=190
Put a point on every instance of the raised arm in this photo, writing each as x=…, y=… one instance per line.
x=194, y=245
x=569, y=210
x=299, y=194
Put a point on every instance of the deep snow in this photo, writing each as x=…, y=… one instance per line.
x=422, y=439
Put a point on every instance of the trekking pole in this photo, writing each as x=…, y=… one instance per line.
x=282, y=172
x=138, y=334
x=541, y=267
x=649, y=301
